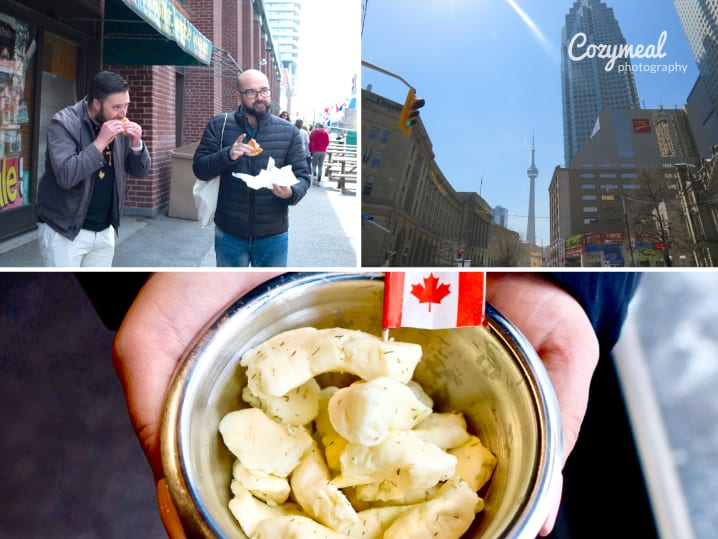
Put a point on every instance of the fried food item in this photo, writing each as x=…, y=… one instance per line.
x=294, y=527
x=298, y=407
x=124, y=121
x=365, y=412
x=448, y=514
x=292, y=358
x=250, y=512
x=447, y=430
x=332, y=442
x=267, y=487
x=402, y=461
x=475, y=463
x=256, y=148
x=373, y=522
x=262, y=444
x=342, y=442
x=317, y=496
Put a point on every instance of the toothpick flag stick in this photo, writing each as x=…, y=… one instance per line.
x=433, y=300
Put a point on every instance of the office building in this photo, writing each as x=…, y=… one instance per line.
x=284, y=19
x=588, y=86
x=622, y=183
x=700, y=23
x=500, y=216
x=412, y=215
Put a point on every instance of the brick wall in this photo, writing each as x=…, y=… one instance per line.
x=246, y=35
x=203, y=87
x=231, y=25
x=152, y=105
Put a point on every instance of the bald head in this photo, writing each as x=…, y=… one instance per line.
x=254, y=94
x=252, y=78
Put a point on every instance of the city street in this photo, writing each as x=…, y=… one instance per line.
x=324, y=231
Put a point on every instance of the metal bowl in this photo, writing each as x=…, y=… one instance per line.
x=490, y=374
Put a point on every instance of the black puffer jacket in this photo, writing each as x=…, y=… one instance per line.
x=242, y=211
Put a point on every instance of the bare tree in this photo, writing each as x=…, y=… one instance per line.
x=655, y=215
x=505, y=251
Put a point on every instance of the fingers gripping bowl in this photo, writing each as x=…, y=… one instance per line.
x=489, y=374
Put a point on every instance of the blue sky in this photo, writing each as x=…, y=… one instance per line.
x=490, y=72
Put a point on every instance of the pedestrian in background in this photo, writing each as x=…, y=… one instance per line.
x=305, y=141
x=284, y=115
x=251, y=226
x=91, y=149
x=318, y=143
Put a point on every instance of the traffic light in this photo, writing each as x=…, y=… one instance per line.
x=410, y=112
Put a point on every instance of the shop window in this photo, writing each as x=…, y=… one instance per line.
x=59, y=86
x=18, y=46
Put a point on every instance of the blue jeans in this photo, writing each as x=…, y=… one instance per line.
x=233, y=251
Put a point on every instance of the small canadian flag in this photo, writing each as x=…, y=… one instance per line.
x=434, y=300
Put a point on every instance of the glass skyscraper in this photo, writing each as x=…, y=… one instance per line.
x=700, y=23
x=587, y=86
x=284, y=18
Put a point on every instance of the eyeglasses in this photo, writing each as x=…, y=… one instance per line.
x=251, y=94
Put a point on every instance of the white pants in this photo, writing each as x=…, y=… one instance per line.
x=91, y=249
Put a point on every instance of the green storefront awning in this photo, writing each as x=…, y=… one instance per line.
x=151, y=32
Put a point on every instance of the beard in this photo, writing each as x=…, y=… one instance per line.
x=253, y=111
x=100, y=117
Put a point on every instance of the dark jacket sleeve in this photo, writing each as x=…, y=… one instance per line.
x=210, y=157
x=137, y=164
x=604, y=296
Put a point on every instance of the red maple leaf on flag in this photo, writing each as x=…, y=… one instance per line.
x=431, y=291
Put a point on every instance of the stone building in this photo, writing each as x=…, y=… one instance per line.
x=412, y=216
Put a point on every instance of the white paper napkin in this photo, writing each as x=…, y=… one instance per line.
x=271, y=175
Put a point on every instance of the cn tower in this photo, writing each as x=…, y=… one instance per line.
x=532, y=174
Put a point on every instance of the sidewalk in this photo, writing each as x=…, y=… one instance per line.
x=324, y=231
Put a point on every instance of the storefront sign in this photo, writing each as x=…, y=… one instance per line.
x=165, y=18
x=612, y=254
x=11, y=177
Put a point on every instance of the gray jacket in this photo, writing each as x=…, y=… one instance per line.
x=65, y=189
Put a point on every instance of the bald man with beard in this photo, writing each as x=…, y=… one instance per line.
x=251, y=226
